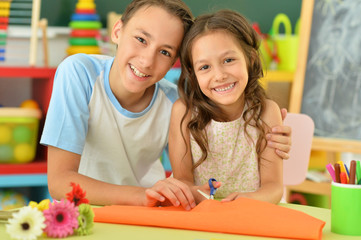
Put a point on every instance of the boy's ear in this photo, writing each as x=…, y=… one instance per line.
x=117, y=27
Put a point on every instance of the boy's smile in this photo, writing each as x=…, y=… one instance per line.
x=147, y=48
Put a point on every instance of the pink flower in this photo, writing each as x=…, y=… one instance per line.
x=61, y=219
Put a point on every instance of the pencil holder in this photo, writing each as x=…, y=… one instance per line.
x=346, y=209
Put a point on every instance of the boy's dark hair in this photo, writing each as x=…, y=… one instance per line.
x=203, y=110
x=174, y=7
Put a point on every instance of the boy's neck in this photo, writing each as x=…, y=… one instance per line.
x=136, y=102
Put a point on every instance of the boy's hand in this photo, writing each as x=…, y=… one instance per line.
x=280, y=138
x=169, y=191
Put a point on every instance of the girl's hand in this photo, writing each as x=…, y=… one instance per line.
x=206, y=189
x=168, y=192
x=234, y=196
x=280, y=138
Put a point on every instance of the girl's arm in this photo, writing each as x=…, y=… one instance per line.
x=271, y=166
x=179, y=150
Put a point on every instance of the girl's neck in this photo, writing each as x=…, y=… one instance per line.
x=234, y=111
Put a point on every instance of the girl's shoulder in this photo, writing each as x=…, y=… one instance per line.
x=179, y=107
x=272, y=113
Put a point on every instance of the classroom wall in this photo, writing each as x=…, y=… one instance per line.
x=58, y=12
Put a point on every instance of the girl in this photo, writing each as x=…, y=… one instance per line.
x=219, y=124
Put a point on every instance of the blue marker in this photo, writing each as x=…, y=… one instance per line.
x=348, y=173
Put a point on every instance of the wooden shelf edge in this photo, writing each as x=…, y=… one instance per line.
x=321, y=188
x=27, y=72
x=35, y=167
x=336, y=145
x=278, y=76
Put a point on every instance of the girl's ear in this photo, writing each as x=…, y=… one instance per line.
x=116, y=31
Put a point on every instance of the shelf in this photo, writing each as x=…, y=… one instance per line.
x=27, y=72
x=276, y=76
x=36, y=167
x=24, y=180
x=32, y=174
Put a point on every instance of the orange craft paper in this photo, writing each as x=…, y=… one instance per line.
x=242, y=216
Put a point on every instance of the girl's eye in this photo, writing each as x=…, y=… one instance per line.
x=166, y=53
x=141, y=39
x=205, y=67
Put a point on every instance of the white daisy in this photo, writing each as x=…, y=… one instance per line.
x=27, y=224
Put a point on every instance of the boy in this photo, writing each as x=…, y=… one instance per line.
x=108, y=118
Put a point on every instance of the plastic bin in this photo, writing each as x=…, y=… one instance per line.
x=18, y=134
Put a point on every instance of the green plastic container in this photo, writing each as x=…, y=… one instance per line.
x=286, y=44
x=18, y=134
x=346, y=209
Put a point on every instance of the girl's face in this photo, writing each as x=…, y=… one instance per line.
x=220, y=67
x=147, y=48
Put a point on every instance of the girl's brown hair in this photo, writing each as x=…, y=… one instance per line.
x=203, y=110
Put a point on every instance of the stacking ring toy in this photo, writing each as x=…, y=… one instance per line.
x=83, y=41
x=85, y=25
x=84, y=33
x=84, y=17
x=85, y=11
x=83, y=49
x=85, y=5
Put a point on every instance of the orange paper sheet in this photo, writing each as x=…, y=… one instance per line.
x=242, y=216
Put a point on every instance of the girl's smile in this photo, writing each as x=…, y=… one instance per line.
x=225, y=88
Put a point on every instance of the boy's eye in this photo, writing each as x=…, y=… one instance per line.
x=164, y=52
x=141, y=39
x=205, y=67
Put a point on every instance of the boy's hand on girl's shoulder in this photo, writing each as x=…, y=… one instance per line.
x=280, y=138
x=169, y=192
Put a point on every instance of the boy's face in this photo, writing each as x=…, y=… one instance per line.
x=220, y=67
x=147, y=48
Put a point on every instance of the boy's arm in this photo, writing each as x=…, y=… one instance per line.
x=280, y=138
x=63, y=169
x=271, y=166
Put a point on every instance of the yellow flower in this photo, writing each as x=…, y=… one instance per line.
x=43, y=205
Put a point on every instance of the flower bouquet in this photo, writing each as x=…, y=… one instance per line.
x=57, y=219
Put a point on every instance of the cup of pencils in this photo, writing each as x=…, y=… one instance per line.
x=345, y=198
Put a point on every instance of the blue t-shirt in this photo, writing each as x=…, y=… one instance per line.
x=116, y=146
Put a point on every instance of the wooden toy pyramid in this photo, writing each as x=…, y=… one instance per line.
x=85, y=27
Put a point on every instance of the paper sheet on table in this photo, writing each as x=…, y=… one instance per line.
x=242, y=216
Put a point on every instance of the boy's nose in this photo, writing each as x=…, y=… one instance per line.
x=147, y=59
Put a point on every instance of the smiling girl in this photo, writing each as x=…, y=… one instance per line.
x=219, y=124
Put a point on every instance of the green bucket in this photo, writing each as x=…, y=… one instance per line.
x=286, y=44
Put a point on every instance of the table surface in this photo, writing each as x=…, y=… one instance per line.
x=118, y=231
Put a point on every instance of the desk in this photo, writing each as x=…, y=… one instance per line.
x=117, y=231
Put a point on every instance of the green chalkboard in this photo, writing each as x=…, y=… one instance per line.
x=58, y=12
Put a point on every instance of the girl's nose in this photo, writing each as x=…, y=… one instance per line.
x=220, y=75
